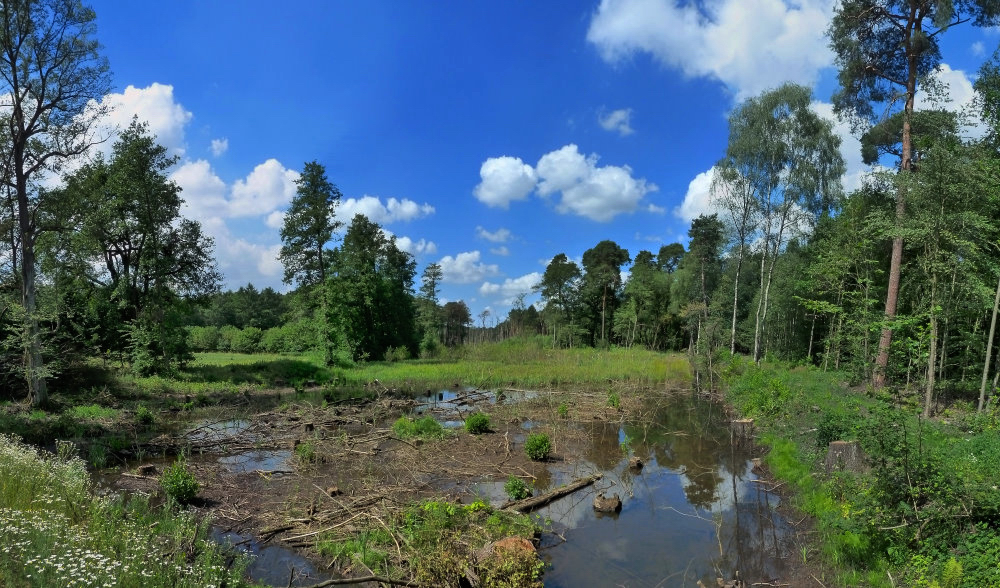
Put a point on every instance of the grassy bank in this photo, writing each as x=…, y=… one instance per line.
x=55, y=532
x=927, y=511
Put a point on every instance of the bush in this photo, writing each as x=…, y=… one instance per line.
x=179, y=483
x=538, y=446
x=143, y=416
x=306, y=453
x=563, y=410
x=203, y=338
x=477, y=423
x=425, y=427
x=246, y=340
x=516, y=489
x=400, y=353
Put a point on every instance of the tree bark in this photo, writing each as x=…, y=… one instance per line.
x=34, y=365
x=896, y=260
x=989, y=349
x=736, y=297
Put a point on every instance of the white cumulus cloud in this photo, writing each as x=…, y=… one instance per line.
x=465, y=268
x=698, y=198
x=219, y=146
x=749, y=45
x=393, y=210
x=501, y=250
x=598, y=193
x=500, y=235
x=503, y=180
x=511, y=288
x=269, y=186
x=416, y=247
x=154, y=105
x=619, y=121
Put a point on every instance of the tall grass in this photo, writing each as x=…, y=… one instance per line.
x=56, y=533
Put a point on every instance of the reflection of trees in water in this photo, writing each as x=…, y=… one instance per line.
x=690, y=435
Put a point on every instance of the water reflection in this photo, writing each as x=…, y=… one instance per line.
x=693, y=512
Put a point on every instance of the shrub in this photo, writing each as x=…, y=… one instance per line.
x=246, y=340
x=563, y=410
x=143, y=416
x=477, y=423
x=400, y=353
x=538, y=446
x=203, y=338
x=614, y=400
x=306, y=453
x=179, y=483
x=425, y=427
x=516, y=489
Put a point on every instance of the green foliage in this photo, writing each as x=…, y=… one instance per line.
x=423, y=427
x=563, y=410
x=58, y=534
x=477, y=423
x=614, y=400
x=144, y=416
x=179, y=483
x=516, y=488
x=305, y=453
x=92, y=412
x=397, y=354
x=537, y=446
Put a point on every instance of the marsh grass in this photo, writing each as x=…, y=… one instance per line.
x=56, y=533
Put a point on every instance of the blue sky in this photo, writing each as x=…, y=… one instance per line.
x=487, y=137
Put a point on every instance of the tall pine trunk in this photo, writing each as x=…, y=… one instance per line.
x=989, y=349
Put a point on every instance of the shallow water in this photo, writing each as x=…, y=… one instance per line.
x=273, y=564
x=264, y=460
x=694, y=512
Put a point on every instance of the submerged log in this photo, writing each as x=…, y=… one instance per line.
x=608, y=504
x=530, y=504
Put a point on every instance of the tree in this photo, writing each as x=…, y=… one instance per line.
x=428, y=312
x=602, y=266
x=309, y=226
x=457, y=319
x=123, y=232
x=54, y=78
x=560, y=288
x=882, y=48
x=372, y=286
x=786, y=159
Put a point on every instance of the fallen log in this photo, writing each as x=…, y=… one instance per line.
x=530, y=504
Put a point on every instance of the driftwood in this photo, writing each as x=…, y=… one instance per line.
x=530, y=504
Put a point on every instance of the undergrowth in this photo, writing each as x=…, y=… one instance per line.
x=926, y=512
x=55, y=532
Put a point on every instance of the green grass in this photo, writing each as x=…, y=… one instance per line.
x=423, y=428
x=529, y=363
x=93, y=412
x=56, y=533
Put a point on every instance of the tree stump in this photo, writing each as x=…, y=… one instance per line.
x=844, y=456
x=741, y=431
x=611, y=504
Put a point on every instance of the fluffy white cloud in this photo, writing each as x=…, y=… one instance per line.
x=598, y=193
x=392, y=211
x=465, y=268
x=510, y=289
x=204, y=193
x=269, y=186
x=698, y=198
x=416, y=247
x=503, y=180
x=500, y=235
x=276, y=219
x=618, y=121
x=240, y=260
x=219, y=146
x=750, y=45
x=154, y=105
x=501, y=250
